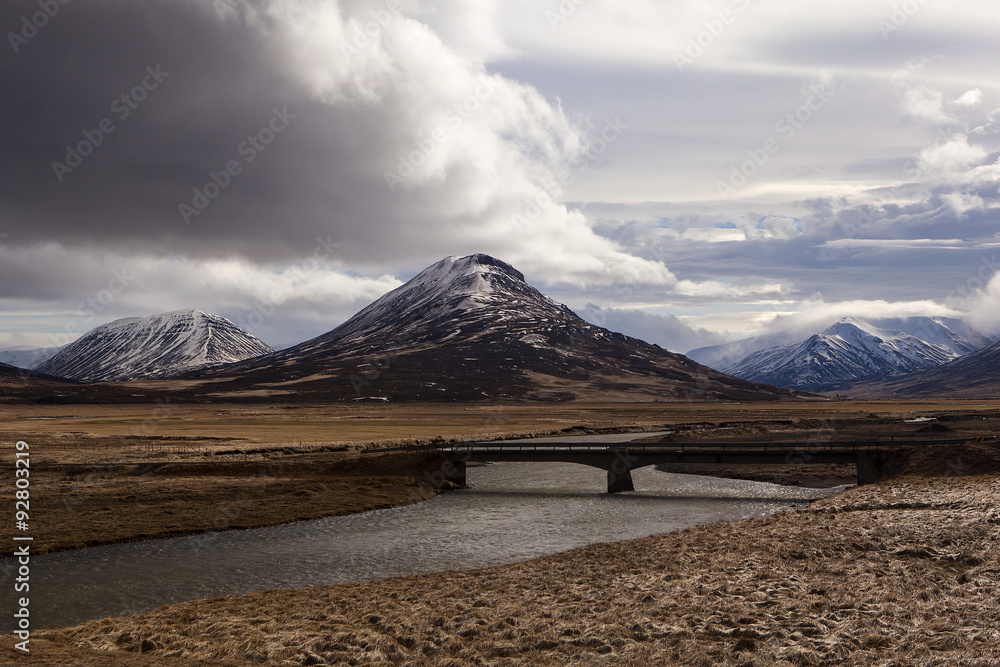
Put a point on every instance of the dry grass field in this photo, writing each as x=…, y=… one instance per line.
x=166, y=431
x=105, y=474
x=903, y=572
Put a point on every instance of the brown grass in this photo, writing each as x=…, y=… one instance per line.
x=897, y=573
x=118, y=433
x=84, y=505
x=174, y=470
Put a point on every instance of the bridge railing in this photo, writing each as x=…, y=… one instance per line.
x=672, y=448
x=682, y=447
x=695, y=446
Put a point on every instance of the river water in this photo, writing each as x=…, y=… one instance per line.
x=512, y=512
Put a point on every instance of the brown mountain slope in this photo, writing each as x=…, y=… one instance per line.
x=471, y=328
x=975, y=375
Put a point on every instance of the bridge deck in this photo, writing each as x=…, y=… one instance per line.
x=620, y=458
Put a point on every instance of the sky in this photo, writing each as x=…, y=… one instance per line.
x=685, y=172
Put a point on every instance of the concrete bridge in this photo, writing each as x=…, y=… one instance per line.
x=621, y=458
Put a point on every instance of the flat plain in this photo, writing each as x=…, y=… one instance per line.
x=114, y=473
x=902, y=572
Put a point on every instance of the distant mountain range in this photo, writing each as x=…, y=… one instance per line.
x=848, y=352
x=153, y=347
x=471, y=328
x=27, y=357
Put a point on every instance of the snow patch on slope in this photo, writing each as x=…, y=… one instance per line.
x=154, y=347
x=853, y=350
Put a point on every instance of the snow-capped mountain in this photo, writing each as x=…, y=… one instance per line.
x=853, y=350
x=471, y=328
x=976, y=375
x=954, y=334
x=484, y=292
x=157, y=346
x=27, y=357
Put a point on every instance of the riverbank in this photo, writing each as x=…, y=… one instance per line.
x=103, y=474
x=80, y=505
x=900, y=572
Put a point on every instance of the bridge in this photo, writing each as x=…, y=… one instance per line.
x=619, y=459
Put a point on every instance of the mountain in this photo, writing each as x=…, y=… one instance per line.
x=976, y=375
x=153, y=347
x=954, y=334
x=27, y=357
x=848, y=351
x=726, y=355
x=471, y=328
x=957, y=335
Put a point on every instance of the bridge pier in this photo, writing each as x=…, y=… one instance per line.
x=454, y=472
x=446, y=472
x=868, y=471
x=619, y=481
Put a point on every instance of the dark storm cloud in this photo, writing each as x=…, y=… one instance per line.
x=292, y=121
x=214, y=84
x=217, y=90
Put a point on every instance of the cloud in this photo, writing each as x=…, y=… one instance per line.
x=578, y=151
x=984, y=304
x=818, y=315
x=400, y=147
x=667, y=331
x=926, y=104
x=970, y=98
x=954, y=155
x=281, y=304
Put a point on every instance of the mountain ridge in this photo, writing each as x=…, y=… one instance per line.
x=471, y=328
x=849, y=351
x=975, y=375
x=154, y=346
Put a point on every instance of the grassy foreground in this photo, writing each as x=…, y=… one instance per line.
x=903, y=572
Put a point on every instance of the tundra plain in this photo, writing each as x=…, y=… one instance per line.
x=902, y=572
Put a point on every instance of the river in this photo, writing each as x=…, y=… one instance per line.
x=512, y=512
